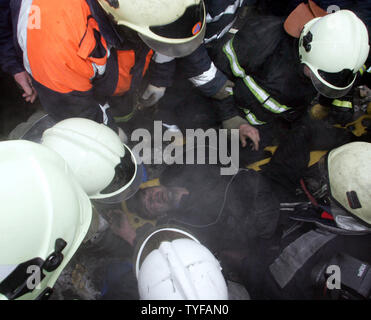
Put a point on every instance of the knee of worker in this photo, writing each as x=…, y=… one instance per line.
x=324, y=136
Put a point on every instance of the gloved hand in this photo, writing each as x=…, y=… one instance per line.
x=152, y=95
x=225, y=91
x=246, y=131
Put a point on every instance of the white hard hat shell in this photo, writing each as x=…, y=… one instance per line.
x=339, y=41
x=41, y=202
x=93, y=151
x=349, y=170
x=180, y=269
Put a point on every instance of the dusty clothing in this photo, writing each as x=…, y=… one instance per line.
x=288, y=268
x=263, y=61
x=223, y=211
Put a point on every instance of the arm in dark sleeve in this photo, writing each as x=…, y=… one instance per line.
x=291, y=159
x=257, y=40
x=162, y=70
x=201, y=71
x=226, y=108
x=9, y=61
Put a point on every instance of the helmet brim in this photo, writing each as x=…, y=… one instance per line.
x=326, y=89
x=175, y=50
x=127, y=189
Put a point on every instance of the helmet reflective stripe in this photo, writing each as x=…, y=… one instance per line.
x=261, y=95
x=350, y=178
x=334, y=47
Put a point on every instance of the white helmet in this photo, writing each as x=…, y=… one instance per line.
x=44, y=217
x=171, y=264
x=334, y=47
x=105, y=167
x=174, y=28
x=349, y=173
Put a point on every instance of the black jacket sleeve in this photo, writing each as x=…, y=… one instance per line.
x=201, y=71
x=254, y=45
x=9, y=61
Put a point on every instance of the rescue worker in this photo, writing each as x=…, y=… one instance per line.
x=279, y=66
x=197, y=67
x=82, y=52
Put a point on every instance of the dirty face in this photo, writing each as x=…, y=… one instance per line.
x=158, y=201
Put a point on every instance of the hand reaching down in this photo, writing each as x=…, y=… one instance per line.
x=248, y=131
x=25, y=83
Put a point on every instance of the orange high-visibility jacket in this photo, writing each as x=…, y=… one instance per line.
x=73, y=66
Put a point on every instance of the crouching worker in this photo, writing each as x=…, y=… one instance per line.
x=279, y=67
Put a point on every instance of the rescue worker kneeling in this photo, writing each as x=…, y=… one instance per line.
x=79, y=53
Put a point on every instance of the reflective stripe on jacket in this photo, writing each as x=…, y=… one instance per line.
x=65, y=51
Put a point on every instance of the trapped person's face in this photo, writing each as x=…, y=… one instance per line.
x=158, y=201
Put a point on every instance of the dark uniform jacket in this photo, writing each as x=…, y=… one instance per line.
x=263, y=61
x=9, y=61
